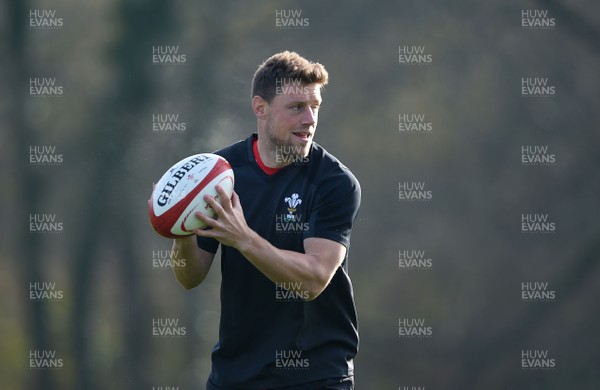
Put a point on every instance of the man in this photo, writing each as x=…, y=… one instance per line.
x=288, y=317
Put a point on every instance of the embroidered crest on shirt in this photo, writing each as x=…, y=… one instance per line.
x=293, y=202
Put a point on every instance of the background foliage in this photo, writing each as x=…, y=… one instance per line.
x=471, y=229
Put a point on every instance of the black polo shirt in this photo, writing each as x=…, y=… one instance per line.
x=269, y=335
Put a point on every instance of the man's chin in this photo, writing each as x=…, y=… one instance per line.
x=304, y=151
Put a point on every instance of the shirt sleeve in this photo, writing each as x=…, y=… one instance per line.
x=208, y=244
x=337, y=203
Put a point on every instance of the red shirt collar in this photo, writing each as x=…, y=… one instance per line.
x=268, y=170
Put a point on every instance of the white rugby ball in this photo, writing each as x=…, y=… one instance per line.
x=179, y=193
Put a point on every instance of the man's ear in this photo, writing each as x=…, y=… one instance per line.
x=260, y=107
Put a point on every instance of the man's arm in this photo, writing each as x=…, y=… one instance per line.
x=190, y=263
x=313, y=269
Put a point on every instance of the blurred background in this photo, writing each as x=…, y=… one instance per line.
x=85, y=287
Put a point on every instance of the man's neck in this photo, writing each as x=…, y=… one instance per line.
x=267, y=154
x=268, y=170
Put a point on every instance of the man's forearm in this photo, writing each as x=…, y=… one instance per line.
x=284, y=266
x=189, y=266
x=313, y=269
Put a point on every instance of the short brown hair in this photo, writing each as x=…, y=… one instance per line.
x=285, y=66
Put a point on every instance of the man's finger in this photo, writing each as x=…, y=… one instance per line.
x=204, y=232
x=206, y=219
x=212, y=203
x=209, y=222
x=235, y=200
x=225, y=201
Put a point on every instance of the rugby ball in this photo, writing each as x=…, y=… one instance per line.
x=179, y=193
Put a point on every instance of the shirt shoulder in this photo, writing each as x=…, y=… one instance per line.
x=237, y=153
x=329, y=172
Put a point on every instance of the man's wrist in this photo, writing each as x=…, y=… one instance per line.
x=247, y=245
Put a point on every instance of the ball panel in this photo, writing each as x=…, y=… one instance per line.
x=187, y=221
x=180, y=179
x=180, y=193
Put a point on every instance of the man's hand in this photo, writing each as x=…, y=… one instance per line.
x=229, y=227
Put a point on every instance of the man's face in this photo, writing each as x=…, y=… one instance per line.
x=291, y=118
